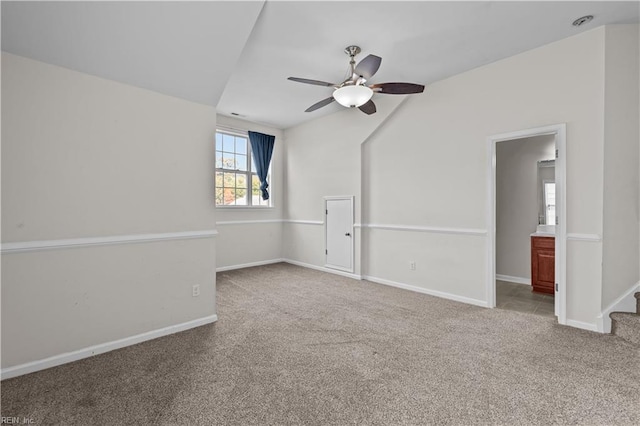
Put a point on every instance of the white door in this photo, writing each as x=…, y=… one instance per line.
x=339, y=233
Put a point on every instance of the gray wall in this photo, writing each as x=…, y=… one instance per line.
x=517, y=201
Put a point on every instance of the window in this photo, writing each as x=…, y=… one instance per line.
x=550, y=202
x=237, y=183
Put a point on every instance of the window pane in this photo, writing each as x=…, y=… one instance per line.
x=229, y=180
x=227, y=143
x=241, y=181
x=253, y=164
x=241, y=145
x=550, y=202
x=255, y=183
x=241, y=162
x=228, y=162
x=219, y=180
x=241, y=195
x=241, y=189
x=219, y=197
x=256, y=194
x=218, y=142
x=229, y=196
x=218, y=159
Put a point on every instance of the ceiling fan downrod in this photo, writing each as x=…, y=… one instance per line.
x=352, y=51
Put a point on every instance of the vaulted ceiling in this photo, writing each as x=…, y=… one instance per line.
x=237, y=56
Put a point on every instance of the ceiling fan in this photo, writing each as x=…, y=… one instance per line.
x=354, y=92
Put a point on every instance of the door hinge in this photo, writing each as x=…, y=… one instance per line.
x=557, y=221
x=556, y=286
x=326, y=252
x=556, y=153
x=326, y=212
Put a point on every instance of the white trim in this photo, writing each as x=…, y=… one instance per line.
x=323, y=269
x=233, y=130
x=90, y=351
x=338, y=197
x=511, y=279
x=432, y=229
x=304, y=222
x=559, y=130
x=26, y=246
x=435, y=293
x=582, y=325
x=584, y=237
x=248, y=265
x=625, y=303
x=248, y=222
x=338, y=268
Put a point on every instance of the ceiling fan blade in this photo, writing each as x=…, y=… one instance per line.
x=308, y=81
x=368, y=108
x=397, y=88
x=320, y=104
x=368, y=66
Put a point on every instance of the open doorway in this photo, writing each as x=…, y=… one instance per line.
x=527, y=226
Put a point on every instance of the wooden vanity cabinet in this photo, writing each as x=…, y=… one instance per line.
x=543, y=264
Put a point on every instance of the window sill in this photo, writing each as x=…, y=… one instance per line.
x=244, y=208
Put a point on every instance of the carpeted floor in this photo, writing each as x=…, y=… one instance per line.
x=297, y=346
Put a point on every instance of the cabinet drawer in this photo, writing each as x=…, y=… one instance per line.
x=543, y=242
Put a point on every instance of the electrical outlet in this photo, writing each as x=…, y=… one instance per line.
x=412, y=265
x=195, y=290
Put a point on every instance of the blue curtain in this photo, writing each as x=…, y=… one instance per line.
x=262, y=148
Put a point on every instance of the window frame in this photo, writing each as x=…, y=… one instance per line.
x=248, y=173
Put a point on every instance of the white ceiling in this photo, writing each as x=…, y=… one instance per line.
x=237, y=55
x=182, y=49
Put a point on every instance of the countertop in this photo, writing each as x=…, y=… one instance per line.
x=543, y=234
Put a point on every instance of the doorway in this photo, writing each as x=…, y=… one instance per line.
x=339, y=232
x=557, y=287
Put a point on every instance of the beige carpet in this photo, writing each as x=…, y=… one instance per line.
x=297, y=346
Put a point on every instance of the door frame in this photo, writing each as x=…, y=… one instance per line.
x=350, y=198
x=559, y=130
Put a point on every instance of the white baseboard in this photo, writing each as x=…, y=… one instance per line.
x=582, y=325
x=624, y=303
x=248, y=265
x=511, y=279
x=323, y=269
x=436, y=293
x=42, y=364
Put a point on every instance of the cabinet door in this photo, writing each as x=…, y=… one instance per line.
x=545, y=266
x=543, y=262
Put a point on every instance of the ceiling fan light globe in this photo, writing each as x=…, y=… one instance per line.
x=352, y=96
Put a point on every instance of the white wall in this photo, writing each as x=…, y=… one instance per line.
x=621, y=254
x=84, y=157
x=443, y=134
x=517, y=201
x=323, y=159
x=422, y=175
x=249, y=236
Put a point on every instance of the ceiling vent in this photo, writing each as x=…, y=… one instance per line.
x=581, y=21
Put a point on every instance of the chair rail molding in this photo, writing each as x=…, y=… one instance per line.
x=28, y=246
